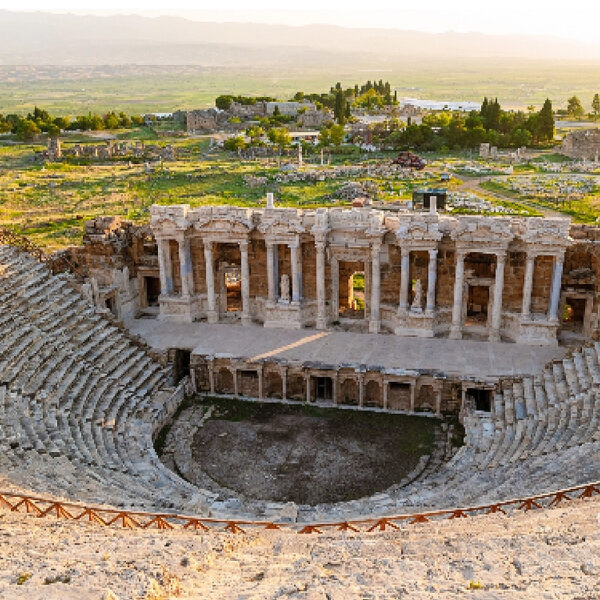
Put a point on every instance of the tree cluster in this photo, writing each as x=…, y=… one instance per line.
x=456, y=130
x=40, y=120
x=224, y=101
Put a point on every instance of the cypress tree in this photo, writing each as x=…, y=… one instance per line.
x=546, y=121
x=338, y=109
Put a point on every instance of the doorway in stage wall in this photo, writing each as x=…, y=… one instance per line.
x=152, y=290
x=351, y=293
x=233, y=290
x=478, y=309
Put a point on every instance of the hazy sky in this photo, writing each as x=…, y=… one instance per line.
x=579, y=21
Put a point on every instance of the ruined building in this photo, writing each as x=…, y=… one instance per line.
x=583, y=144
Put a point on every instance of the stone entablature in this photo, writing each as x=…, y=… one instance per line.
x=420, y=269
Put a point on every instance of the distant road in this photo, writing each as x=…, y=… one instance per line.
x=574, y=124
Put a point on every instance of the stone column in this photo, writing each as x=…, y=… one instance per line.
x=211, y=376
x=385, y=394
x=235, y=381
x=375, y=321
x=361, y=390
x=334, y=387
x=246, y=319
x=555, y=289
x=335, y=287
x=413, y=385
x=284, y=383
x=497, y=307
x=270, y=273
x=185, y=267
x=307, y=379
x=527, y=286
x=404, y=280
x=165, y=268
x=457, y=307
x=295, y=275
x=431, y=279
x=260, y=383
x=321, y=318
x=211, y=312
x=438, y=402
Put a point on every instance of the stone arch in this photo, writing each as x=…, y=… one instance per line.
x=373, y=394
x=224, y=383
x=349, y=392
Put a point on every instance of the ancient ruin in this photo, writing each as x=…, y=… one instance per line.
x=55, y=151
x=583, y=144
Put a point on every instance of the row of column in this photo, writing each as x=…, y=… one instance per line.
x=187, y=274
x=308, y=387
x=496, y=317
x=187, y=282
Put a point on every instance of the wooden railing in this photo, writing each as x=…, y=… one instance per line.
x=43, y=507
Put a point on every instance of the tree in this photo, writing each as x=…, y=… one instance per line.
x=234, y=143
x=574, y=108
x=545, y=122
x=339, y=107
x=223, y=102
x=53, y=130
x=280, y=136
x=255, y=132
x=325, y=136
x=337, y=133
x=26, y=129
x=596, y=105
x=5, y=126
x=111, y=120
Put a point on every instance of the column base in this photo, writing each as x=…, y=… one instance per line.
x=494, y=336
x=246, y=320
x=321, y=323
x=212, y=316
x=374, y=326
x=455, y=333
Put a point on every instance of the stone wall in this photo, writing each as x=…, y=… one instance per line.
x=582, y=144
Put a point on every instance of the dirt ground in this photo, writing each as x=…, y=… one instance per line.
x=308, y=455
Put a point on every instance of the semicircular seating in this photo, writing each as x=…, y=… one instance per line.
x=80, y=402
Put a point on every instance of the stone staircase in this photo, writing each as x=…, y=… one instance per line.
x=79, y=400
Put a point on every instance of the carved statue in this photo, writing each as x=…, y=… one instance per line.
x=417, y=296
x=284, y=287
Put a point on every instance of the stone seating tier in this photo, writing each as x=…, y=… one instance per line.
x=80, y=402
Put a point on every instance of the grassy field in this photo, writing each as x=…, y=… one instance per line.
x=51, y=202
x=138, y=89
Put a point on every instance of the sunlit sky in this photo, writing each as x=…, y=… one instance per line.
x=579, y=20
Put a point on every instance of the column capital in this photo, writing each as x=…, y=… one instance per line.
x=404, y=251
x=320, y=245
x=243, y=245
x=433, y=252
x=501, y=256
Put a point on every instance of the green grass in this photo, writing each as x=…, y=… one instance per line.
x=50, y=203
x=142, y=88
